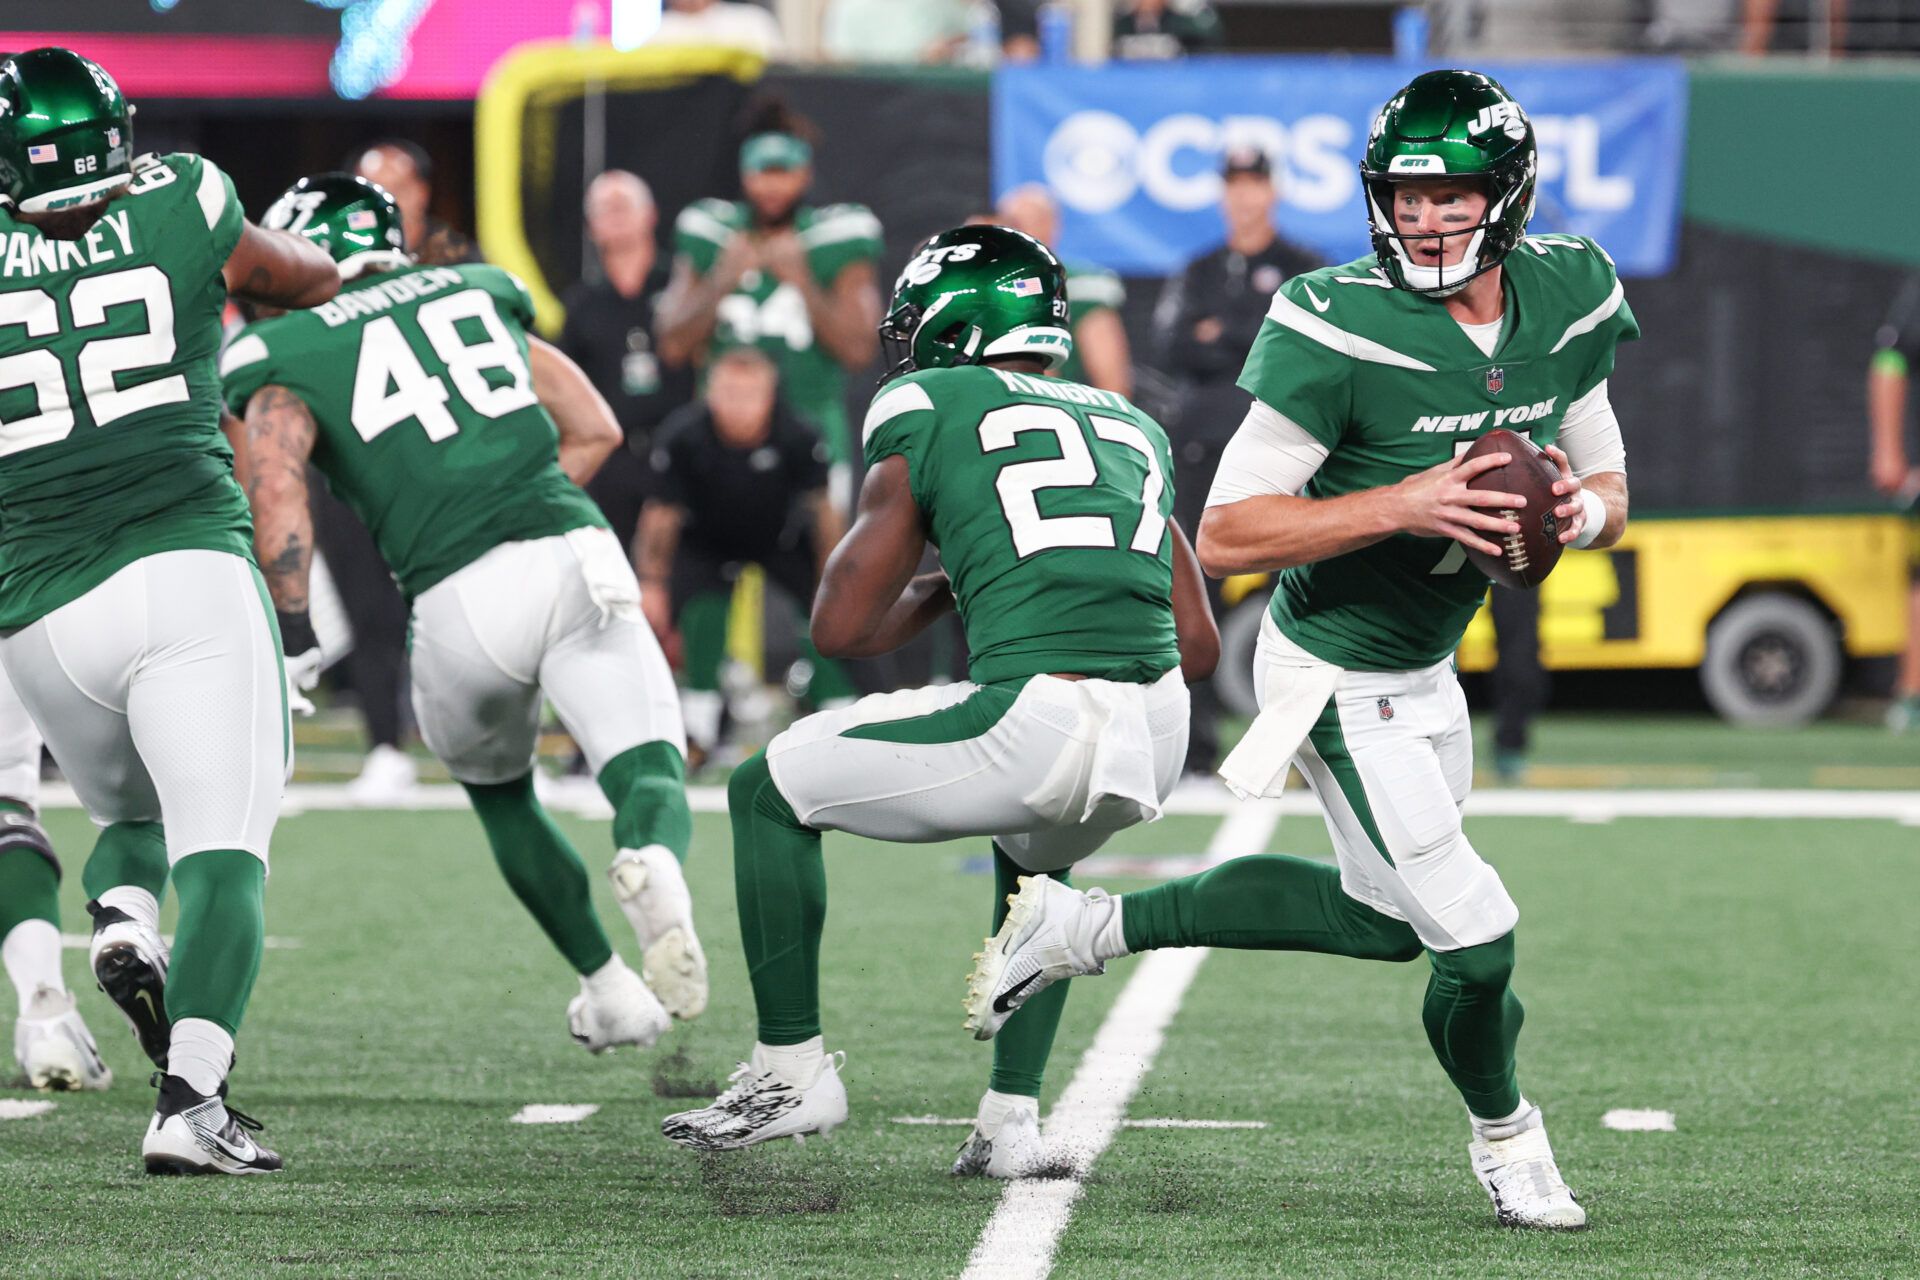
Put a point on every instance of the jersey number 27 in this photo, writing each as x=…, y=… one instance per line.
x=1020, y=483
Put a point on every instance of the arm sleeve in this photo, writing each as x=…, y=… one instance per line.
x=669, y=475
x=1590, y=435
x=1268, y=455
x=1091, y=291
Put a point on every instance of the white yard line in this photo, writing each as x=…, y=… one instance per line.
x=1632, y=1120
x=554, y=1113
x=22, y=1108
x=1019, y=1240
x=83, y=941
x=965, y=1122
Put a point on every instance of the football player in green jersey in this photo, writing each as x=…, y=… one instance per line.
x=462, y=441
x=51, y=1042
x=1369, y=379
x=132, y=619
x=1050, y=503
x=796, y=280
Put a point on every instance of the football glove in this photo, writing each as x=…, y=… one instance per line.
x=301, y=650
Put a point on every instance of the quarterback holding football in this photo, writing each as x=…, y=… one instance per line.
x=1371, y=380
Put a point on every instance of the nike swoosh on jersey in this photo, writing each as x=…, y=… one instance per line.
x=1004, y=1001
x=1314, y=298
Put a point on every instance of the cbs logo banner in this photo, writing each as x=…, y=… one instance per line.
x=1132, y=153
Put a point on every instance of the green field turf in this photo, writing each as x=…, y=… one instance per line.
x=1755, y=978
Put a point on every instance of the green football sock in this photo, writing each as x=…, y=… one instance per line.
x=1473, y=1021
x=1020, y=1049
x=780, y=879
x=542, y=869
x=647, y=786
x=29, y=890
x=128, y=853
x=1265, y=902
x=217, y=942
x=703, y=639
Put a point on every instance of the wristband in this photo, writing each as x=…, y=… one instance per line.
x=296, y=632
x=1596, y=512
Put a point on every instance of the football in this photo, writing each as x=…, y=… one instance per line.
x=1531, y=553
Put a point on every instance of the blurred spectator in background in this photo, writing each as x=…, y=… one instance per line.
x=1019, y=29
x=609, y=334
x=1101, y=355
x=738, y=480
x=771, y=271
x=1204, y=324
x=1894, y=474
x=406, y=171
x=1521, y=684
x=890, y=31
x=720, y=22
x=1147, y=29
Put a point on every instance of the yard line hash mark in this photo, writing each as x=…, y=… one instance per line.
x=963, y=1122
x=1020, y=1239
x=554, y=1113
x=1629, y=1120
x=23, y=1109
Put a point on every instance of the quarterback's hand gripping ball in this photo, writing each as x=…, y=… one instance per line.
x=1527, y=557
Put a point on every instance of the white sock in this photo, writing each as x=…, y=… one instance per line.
x=1505, y=1127
x=797, y=1064
x=136, y=902
x=995, y=1107
x=201, y=1053
x=607, y=979
x=1110, y=942
x=31, y=954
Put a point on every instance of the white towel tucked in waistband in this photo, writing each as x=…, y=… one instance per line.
x=1295, y=697
x=1113, y=727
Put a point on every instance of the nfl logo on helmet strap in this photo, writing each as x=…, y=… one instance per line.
x=1386, y=708
x=1496, y=379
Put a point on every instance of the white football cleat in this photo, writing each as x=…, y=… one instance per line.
x=760, y=1105
x=53, y=1047
x=129, y=961
x=387, y=777
x=195, y=1133
x=1048, y=936
x=621, y=1011
x=1525, y=1183
x=652, y=891
x=1010, y=1147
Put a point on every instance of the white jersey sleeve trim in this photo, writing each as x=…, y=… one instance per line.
x=1269, y=455
x=851, y=225
x=891, y=404
x=212, y=193
x=1590, y=435
x=1287, y=312
x=1591, y=321
x=696, y=221
x=247, y=349
x=1097, y=290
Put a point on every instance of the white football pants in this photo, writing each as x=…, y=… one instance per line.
x=162, y=698
x=559, y=616
x=1391, y=762
x=19, y=749
x=1051, y=770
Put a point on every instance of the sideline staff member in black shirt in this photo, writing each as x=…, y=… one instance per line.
x=737, y=479
x=1204, y=325
x=609, y=334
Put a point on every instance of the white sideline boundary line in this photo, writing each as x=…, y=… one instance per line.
x=1206, y=799
x=1019, y=1240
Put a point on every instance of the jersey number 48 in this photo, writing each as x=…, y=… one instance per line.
x=390, y=384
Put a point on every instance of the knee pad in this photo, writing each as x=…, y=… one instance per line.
x=1488, y=967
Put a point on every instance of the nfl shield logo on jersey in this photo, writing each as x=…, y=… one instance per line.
x=1496, y=379
x=1386, y=708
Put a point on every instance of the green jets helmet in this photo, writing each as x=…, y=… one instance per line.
x=354, y=220
x=66, y=131
x=975, y=292
x=1450, y=125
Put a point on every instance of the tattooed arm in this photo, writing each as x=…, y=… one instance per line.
x=280, y=435
x=279, y=269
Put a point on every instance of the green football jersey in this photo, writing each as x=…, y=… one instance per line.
x=1089, y=289
x=1049, y=503
x=428, y=424
x=110, y=443
x=1391, y=384
x=766, y=313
